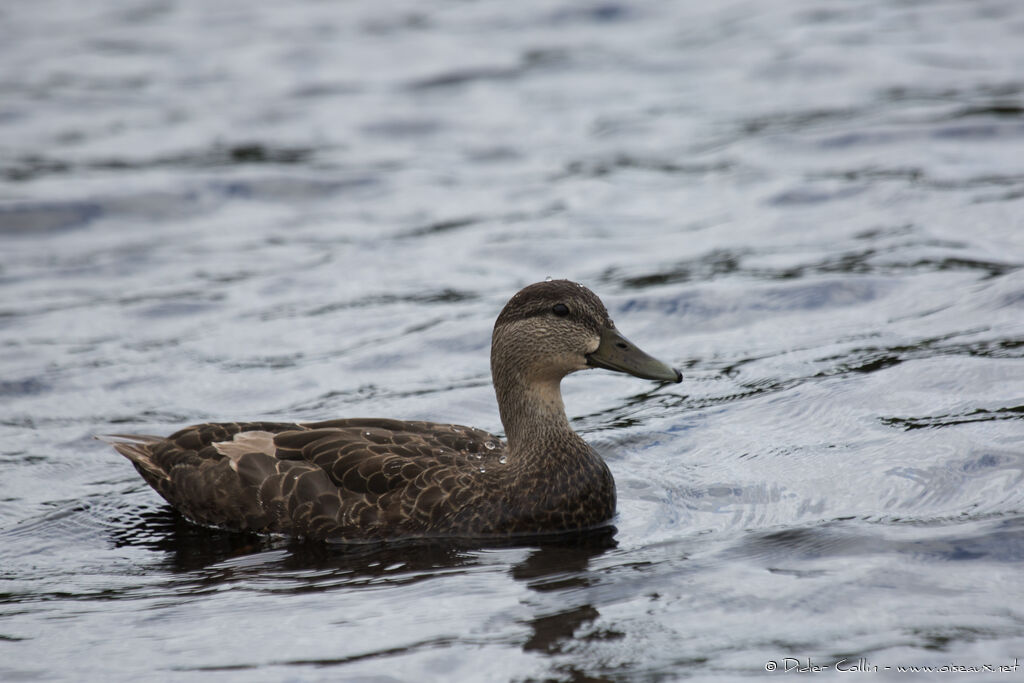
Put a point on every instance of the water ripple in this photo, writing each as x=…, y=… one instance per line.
x=217, y=211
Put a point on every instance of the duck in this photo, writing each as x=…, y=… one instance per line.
x=377, y=479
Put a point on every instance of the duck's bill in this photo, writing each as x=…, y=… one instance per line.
x=617, y=353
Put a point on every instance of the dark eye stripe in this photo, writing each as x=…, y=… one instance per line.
x=561, y=310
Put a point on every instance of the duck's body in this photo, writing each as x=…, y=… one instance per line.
x=366, y=479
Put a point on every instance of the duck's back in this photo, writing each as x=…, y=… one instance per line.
x=350, y=479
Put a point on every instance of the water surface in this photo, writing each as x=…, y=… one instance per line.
x=314, y=210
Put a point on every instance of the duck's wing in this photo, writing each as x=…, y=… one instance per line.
x=338, y=445
x=341, y=478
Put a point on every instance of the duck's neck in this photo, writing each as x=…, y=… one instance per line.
x=534, y=417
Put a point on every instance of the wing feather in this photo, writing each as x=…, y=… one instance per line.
x=338, y=478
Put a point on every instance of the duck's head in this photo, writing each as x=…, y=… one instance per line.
x=550, y=329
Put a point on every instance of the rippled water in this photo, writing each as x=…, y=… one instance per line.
x=308, y=210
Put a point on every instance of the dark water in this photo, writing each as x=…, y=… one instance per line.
x=309, y=210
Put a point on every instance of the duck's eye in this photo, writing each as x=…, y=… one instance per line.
x=561, y=310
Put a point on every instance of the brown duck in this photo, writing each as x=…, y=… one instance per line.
x=364, y=479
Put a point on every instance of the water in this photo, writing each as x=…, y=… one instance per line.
x=212, y=211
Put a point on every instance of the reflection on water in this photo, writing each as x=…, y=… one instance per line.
x=204, y=561
x=188, y=547
x=315, y=210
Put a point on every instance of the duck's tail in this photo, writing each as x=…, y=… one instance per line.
x=138, y=449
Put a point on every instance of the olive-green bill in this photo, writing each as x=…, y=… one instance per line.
x=617, y=353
